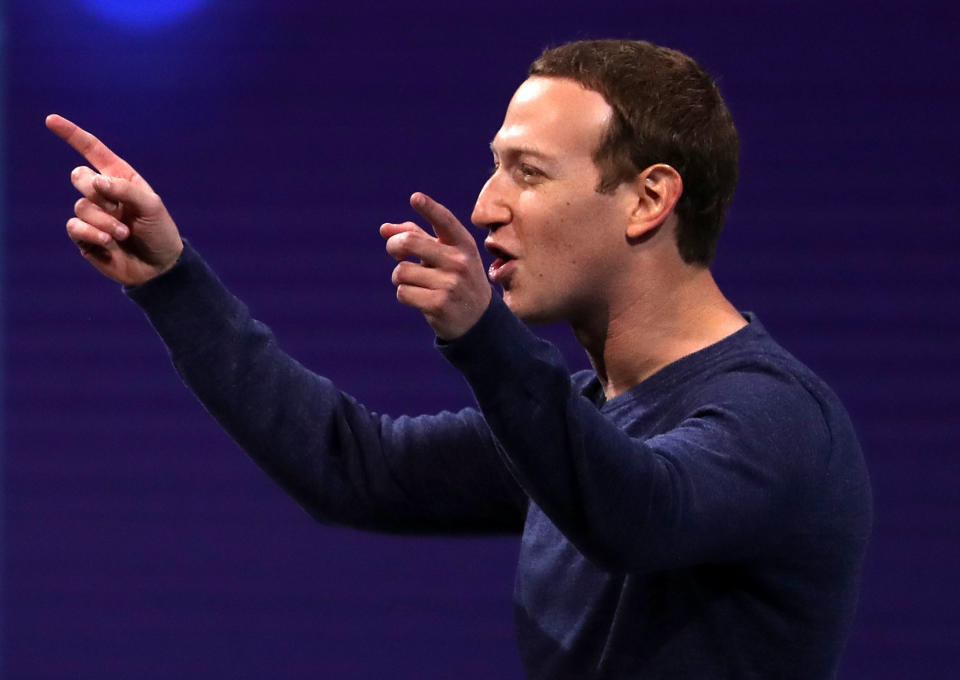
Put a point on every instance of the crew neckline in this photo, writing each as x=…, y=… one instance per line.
x=674, y=372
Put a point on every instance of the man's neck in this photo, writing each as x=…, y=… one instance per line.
x=667, y=316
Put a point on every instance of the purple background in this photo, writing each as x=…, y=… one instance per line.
x=138, y=541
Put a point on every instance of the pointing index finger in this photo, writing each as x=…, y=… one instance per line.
x=91, y=148
x=446, y=226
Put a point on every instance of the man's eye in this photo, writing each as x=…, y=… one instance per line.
x=528, y=172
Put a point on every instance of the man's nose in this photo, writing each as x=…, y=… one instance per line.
x=491, y=210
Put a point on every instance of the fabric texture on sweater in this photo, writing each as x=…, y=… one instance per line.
x=708, y=523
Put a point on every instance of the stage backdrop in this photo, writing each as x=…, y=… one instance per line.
x=138, y=540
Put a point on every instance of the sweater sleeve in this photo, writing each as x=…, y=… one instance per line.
x=343, y=464
x=720, y=485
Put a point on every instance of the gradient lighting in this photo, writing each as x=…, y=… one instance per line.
x=142, y=13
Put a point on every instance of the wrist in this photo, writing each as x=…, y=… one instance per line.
x=172, y=260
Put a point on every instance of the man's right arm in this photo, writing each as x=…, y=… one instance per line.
x=344, y=464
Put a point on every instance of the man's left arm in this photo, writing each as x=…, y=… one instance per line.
x=732, y=476
x=711, y=488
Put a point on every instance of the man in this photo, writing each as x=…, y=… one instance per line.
x=695, y=507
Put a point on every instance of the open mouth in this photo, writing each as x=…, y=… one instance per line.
x=502, y=266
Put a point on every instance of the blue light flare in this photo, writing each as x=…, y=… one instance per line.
x=142, y=14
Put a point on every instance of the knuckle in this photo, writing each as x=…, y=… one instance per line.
x=394, y=246
x=443, y=281
x=459, y=263
x=404, y=240
x=150, y=201
x=442, y=300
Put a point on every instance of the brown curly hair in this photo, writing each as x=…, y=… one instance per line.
x=667, y=109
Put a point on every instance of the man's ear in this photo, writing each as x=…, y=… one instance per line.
x=658, y=188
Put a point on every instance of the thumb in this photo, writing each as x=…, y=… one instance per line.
x=141, y=199
x=388, y=229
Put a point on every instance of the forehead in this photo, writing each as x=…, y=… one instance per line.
x=555, y=116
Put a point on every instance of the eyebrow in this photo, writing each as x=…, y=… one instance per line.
x=525, y=150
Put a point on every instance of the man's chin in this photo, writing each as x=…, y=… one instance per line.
x=526, y=312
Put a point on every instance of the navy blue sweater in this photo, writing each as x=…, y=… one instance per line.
x=708, y=523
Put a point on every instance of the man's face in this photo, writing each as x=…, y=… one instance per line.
x=558, y=243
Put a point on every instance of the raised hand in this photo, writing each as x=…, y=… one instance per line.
x=121, y=225
x=448, y=284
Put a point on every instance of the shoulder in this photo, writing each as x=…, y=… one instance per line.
x=751, y=367
x=771, y=401
x=785, y=412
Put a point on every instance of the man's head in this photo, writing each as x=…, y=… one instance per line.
x=666, y=109
x=591, y=166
